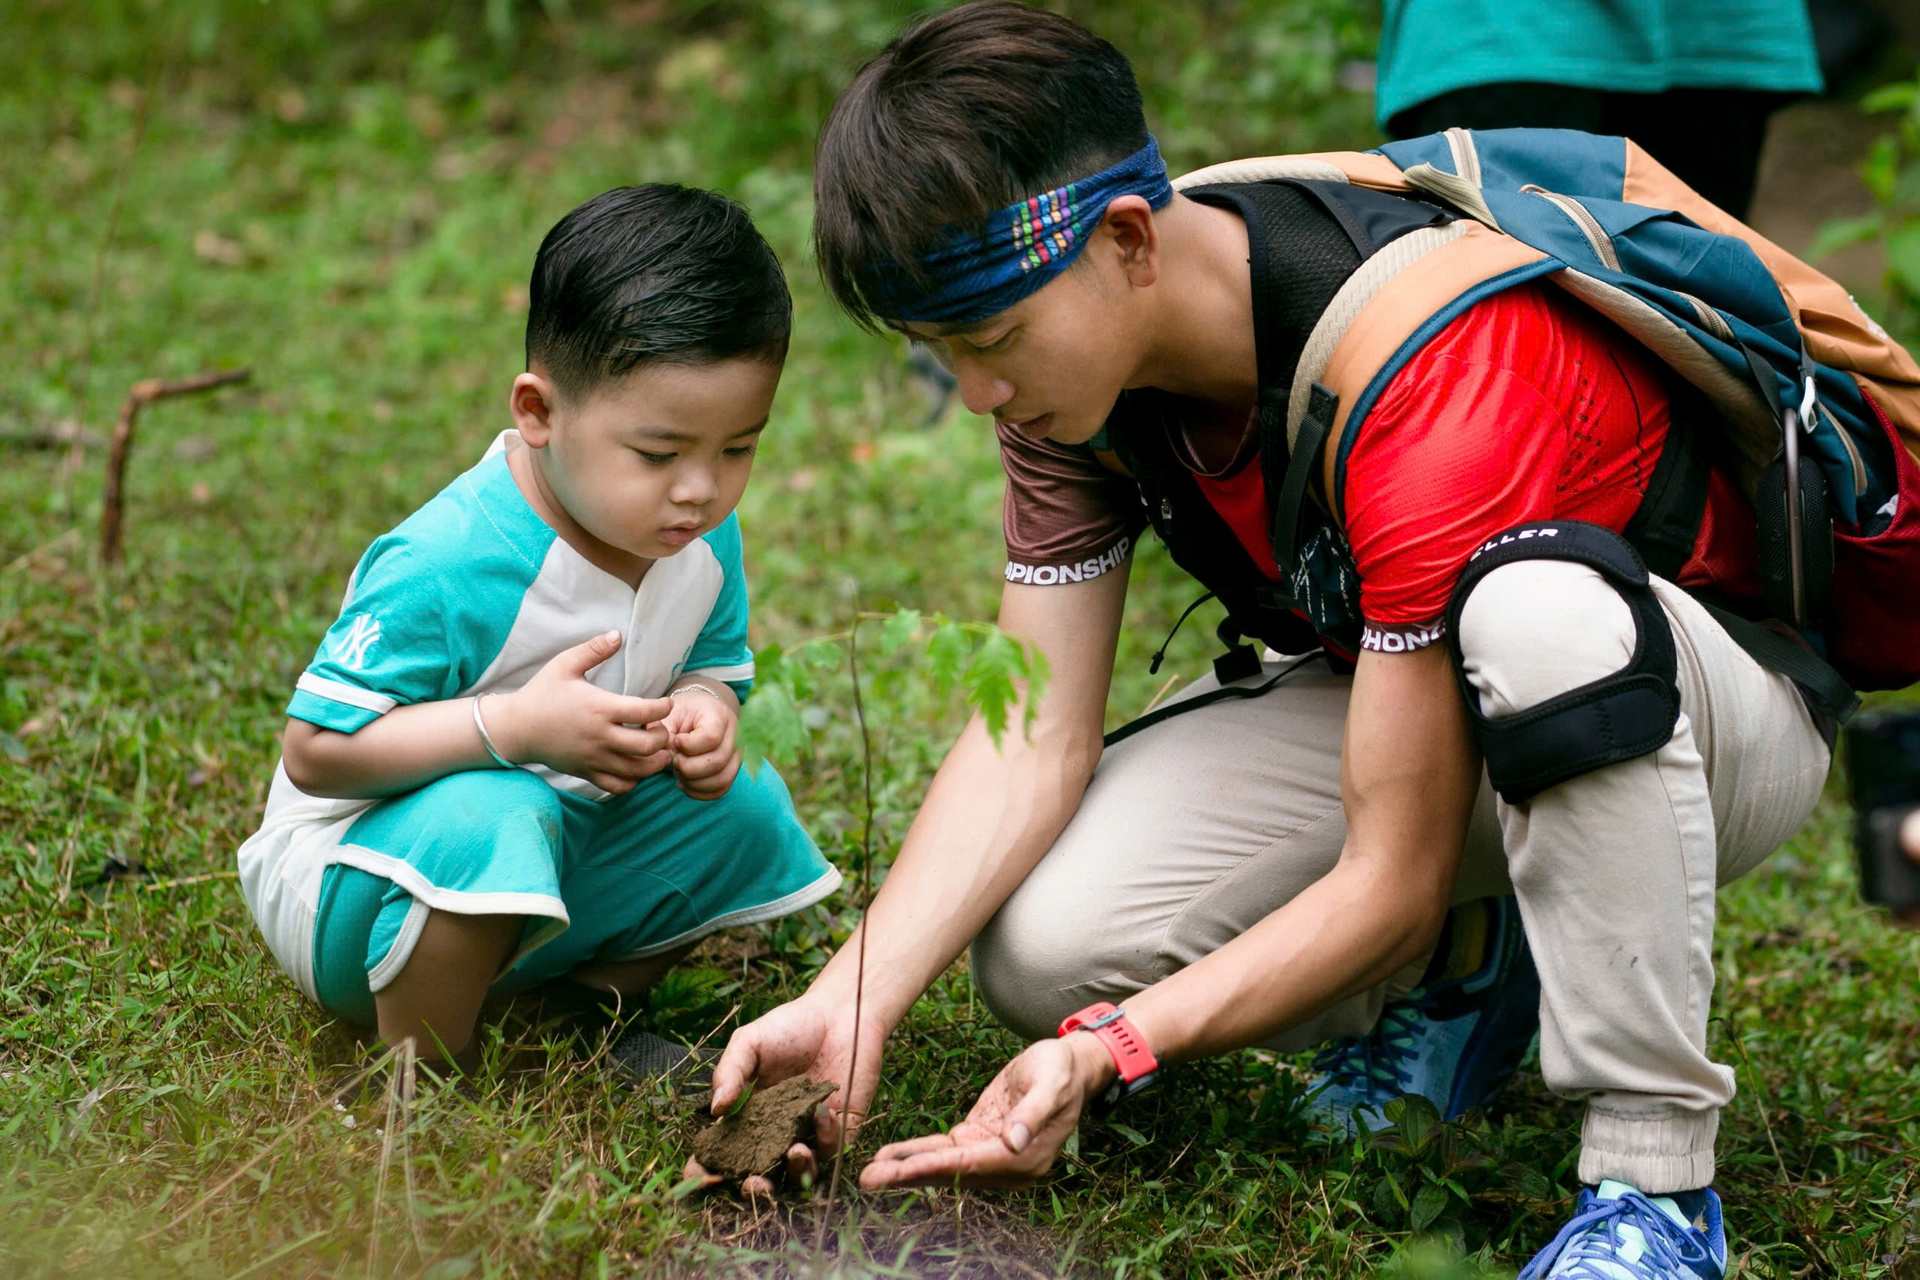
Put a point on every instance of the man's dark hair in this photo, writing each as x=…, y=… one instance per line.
x=964, y=113
x=655, y=274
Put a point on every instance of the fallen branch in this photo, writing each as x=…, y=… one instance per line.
x=144, y=393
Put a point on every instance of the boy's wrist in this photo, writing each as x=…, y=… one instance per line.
x=702, y=699
x=700, y=688
x=503, y=713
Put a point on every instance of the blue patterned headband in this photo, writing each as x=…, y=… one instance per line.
x=1025, y=245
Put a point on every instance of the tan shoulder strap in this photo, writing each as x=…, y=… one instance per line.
x=1357, y=167
x=1335, y=355
x=1352, y=298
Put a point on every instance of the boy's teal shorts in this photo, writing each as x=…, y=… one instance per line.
x=620, y=879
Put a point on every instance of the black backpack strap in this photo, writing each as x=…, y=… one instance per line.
x=1825, y=690
x=1207, y=699
x=1297, y=482
x=1667, y=522
x=1303, y=245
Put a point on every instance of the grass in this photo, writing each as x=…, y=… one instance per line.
x=357, y=231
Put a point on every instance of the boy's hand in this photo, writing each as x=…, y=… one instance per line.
x=562, y=720
x=702, y=727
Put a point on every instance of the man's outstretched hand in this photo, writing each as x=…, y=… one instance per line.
x=811, y=1036
x=1014, y=1132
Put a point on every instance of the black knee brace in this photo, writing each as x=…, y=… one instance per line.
x=1618, y=717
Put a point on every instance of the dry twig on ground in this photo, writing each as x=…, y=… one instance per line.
x=144, y=393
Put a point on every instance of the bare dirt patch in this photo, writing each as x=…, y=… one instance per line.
x=938, y=1236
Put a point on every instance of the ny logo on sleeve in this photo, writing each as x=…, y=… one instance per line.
x=352, y=648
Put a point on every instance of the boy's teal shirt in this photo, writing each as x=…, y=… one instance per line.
x=474, y=594
x=1431, y=47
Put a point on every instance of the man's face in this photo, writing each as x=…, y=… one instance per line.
x=651, y=462
x=1053, y=364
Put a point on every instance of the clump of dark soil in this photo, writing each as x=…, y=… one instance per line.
x=754, y=1139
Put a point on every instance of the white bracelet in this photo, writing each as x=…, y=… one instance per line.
x=486, y=739
x=697, y=688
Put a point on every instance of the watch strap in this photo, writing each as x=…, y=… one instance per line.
x=1135, y=1066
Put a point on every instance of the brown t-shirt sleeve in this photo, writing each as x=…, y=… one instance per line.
x=1067, y=517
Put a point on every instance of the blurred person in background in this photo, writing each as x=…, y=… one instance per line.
x=1692, y=81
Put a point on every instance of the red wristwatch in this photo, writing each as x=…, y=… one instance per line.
x=1137, y=1066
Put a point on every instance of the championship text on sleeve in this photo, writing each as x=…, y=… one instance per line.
x=1379, y=639
x=1047, y=575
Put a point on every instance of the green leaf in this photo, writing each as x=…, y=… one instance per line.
x=1131, y=1134
x=1903, y=256
x=990, y=681
x=770, y=662
x=903, y=626
x=1892, y=97
x=821, y=655
x=1880, y=170
x=1388, y=1203
x=1426, y=1207
x=1418, y=1121
x=947, y=652
x=1389, y=1140
x=1840, y=233
x=770, y=727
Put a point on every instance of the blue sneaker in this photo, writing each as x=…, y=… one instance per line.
x=1617, y=1233
x=1455, y=1041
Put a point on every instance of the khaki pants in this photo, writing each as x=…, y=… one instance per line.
x=1193, y=830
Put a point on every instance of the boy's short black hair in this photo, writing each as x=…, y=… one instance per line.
x=964, y=113
x=653, y=274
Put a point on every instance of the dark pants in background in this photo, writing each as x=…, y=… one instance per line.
x=1709, y=138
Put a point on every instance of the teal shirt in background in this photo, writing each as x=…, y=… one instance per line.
x=1431, y=47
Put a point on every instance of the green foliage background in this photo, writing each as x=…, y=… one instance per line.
x=345, y=196
x=1891, y=172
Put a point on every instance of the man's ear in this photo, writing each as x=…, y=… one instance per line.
x=531, y=404
x=1128, y=225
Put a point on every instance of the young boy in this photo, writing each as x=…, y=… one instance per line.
x=513, y=758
